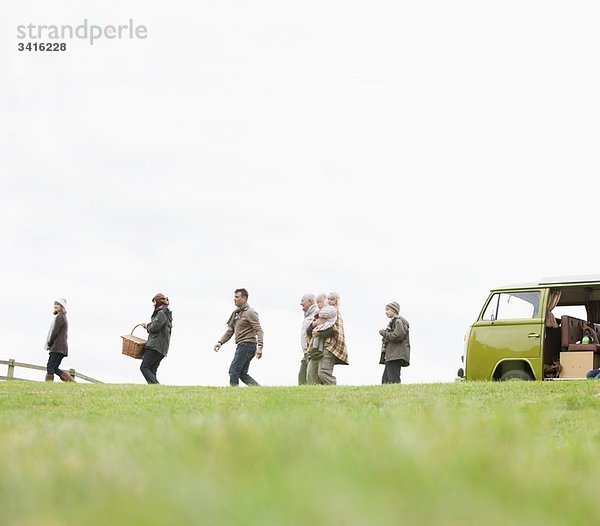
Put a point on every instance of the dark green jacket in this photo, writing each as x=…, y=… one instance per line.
x=159, y=331
x=396, y=342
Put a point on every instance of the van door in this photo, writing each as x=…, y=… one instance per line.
x=510, y=327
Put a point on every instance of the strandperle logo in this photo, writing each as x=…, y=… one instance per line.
x=84, y=31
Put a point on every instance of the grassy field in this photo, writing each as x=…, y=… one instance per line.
x=523, y=453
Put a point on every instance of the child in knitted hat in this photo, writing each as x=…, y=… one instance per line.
x=395, y=345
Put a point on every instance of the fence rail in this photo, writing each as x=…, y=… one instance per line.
x=12, y=364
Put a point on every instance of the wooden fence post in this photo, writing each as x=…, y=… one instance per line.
x=13, y=364
x=11, y=369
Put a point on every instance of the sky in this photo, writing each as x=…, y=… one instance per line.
x=422, y=152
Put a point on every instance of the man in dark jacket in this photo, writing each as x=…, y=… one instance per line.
x=395, y=348
x=159, y=337
x=56, y=343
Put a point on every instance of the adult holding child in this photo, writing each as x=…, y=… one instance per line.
x=322, y=358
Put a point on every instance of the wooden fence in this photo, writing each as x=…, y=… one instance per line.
x=12, y=364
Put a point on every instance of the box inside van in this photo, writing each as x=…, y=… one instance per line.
x=536, y=331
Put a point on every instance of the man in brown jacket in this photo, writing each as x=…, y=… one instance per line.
x=244, y=323
x=56, y=343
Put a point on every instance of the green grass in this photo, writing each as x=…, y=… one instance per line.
x=465, y=454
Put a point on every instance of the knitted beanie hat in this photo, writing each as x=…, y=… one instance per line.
x=61, y=301
x=393, y=306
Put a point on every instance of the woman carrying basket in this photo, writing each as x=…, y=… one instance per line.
x=159, y=336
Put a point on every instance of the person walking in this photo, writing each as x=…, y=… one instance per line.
x=395, y=346
x=244, y=323
x=56, y=343
x=320, y=365
x=310, y=309
x=159, y=337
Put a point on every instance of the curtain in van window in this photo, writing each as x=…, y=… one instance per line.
x=593, y=311
x=552, y=302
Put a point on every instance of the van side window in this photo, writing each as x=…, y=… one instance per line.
x=514, y=305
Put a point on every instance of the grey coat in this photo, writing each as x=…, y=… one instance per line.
x=396, y=342
x=159, y=331
x=309, y=315
x=58, y=338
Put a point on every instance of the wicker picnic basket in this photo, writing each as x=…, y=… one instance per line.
x=132, y=345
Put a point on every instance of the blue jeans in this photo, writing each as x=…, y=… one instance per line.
x=238, y=370
x=54, y=363
x=594, y=374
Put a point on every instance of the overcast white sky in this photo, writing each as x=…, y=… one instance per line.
x=413, y=151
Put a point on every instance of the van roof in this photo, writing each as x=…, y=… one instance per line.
x=591, y=278
x=557, y=280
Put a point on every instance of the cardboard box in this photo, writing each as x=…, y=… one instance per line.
x=575, y=364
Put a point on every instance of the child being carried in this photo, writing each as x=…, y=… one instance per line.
x=324, y=319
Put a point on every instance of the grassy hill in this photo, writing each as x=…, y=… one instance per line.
x=465, y=454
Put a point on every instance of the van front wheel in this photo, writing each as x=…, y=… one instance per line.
x=516, y=374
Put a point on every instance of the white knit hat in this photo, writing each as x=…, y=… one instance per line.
x=61, y=301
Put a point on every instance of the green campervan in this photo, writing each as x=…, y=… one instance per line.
x=536, y=331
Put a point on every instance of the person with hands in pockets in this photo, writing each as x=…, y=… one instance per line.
x=56, y=343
